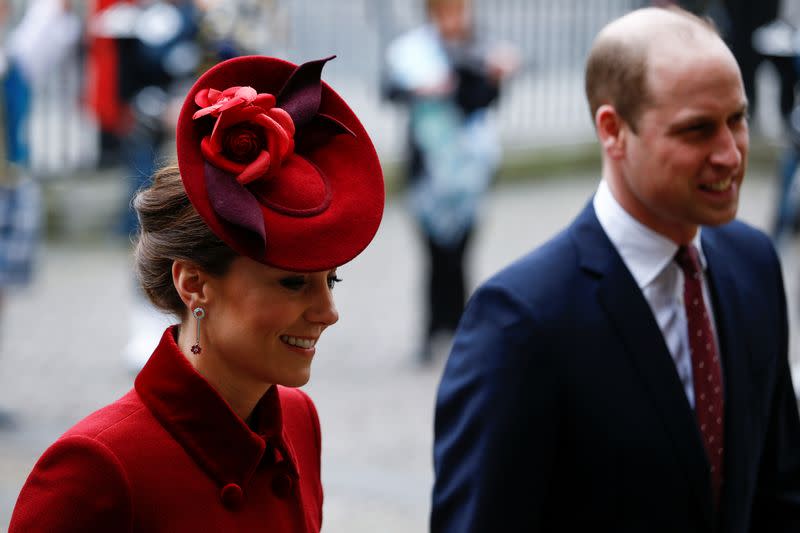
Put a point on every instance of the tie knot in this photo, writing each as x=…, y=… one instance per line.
x=688, y=259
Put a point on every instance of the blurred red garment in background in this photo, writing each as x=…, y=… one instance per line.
x=102, y=77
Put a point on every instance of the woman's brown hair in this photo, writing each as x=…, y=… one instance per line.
x=171, y=229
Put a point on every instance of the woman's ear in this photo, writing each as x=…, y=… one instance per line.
x=610, y=131
x=190, y=282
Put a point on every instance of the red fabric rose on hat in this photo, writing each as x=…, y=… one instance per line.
x=251, y=137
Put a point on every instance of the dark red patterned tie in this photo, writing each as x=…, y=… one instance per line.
x=706, y=367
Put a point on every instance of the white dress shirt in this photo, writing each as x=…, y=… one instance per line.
x=649, y=257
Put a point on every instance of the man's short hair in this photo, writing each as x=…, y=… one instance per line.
x=431, y=5
x=616, y=69
x=616, y=74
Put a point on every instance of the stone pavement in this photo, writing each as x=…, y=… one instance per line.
x=62, y=338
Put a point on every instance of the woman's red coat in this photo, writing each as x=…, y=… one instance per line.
x=172, y=456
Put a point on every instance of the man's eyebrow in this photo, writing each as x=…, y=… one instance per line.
x=690, y=120
x=700, y=117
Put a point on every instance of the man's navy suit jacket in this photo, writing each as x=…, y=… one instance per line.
x=560, y=408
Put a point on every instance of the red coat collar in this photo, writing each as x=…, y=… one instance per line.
x=196, y=416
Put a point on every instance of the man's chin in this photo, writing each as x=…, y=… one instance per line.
x=719, y=218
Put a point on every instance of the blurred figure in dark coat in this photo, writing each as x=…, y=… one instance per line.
x=448, y=78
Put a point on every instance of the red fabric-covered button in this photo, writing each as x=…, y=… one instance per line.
x=231, y=496
x=282, y=484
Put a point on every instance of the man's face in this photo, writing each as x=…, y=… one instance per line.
x=452, y=20
x=684, y=166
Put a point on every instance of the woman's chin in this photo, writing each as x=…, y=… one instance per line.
x=295, y=380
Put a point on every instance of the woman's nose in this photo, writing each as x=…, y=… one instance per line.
x=323, y=309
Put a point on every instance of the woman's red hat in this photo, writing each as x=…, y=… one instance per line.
x=278, y=165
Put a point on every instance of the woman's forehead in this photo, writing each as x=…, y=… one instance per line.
x=244, y=263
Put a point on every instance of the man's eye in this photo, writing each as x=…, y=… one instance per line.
x=293, y=283
x=332, y=281
x=739, y=118
x=698, y=128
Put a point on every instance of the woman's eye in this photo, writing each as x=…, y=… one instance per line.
x=332, y=281
x=294, y=283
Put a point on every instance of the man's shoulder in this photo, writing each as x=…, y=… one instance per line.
x=740, y=242
x=550, y=266
x=736, y=230
x=560, y=255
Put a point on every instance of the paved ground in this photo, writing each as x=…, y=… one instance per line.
x=62, y=338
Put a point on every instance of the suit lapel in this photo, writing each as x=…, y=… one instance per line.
x=734, y=350
x=633, y=321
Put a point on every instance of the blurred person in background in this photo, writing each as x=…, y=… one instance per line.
x=101, y=86
x=738, y=21
x=632, y=373
x=231, y=28
x=779, y=42
x=221, y=29
x=448, y=78
x=155, y=58
x=47, y=32
x=277, y=185
x=744, y=17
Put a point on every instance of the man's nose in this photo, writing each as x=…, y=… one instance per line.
x=727, y=149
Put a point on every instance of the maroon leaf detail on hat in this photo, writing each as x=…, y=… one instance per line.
x=302, y=92
x=232, y=202
x=321, y=128
x=300, y=97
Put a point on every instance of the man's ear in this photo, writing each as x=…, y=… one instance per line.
x=611, y=131
x=191, y=283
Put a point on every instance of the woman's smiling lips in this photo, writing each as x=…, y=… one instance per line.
x=305, y=343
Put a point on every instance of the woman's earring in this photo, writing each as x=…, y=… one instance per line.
x=199, y=314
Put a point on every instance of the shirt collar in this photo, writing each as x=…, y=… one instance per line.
x=203, y=423
x=645, y=252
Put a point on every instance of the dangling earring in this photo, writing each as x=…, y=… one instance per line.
x=199, y=314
